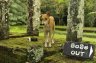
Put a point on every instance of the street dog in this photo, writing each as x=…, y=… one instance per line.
x=49, y=28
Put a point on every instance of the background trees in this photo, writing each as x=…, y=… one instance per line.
x=90, y=16
x=18, y=12
x=58, y=8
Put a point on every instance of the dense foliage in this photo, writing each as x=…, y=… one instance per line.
x=58, y=8
x=90, y=12
x=18, y=12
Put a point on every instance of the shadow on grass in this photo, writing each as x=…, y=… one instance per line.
x=48, y=53
x=18, y=36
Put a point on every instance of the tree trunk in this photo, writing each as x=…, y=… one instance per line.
x=30, y=19
x=59, y=19
x=4, y=24
x=34, y=17
x=75, y=20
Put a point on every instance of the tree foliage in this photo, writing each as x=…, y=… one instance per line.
x=89, y=16
x=18, y=12
x=58, y=8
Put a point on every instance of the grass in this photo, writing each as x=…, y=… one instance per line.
x=52, y=55
x=22, y=29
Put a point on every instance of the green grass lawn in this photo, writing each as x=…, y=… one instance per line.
x=53, y=54
x=87, y=36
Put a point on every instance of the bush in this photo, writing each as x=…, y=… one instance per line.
x=34, y=54
x=18, y=12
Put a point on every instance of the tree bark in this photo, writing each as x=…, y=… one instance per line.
x=30, y=19
x=34, y=17
x=4, y=24
x=75, y=20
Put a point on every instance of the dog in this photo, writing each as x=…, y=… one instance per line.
x=49, y=28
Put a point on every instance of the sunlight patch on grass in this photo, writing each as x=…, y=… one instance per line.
x=18, y=29
x=56, y=36
x=91, y=40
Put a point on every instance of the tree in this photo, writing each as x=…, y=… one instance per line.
x=34, y=17
x=30, y=19
x=61, y=6
x=18, y=12
x=4, y=24
x=75, y=20
x=89, y=9
x=58, y=9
